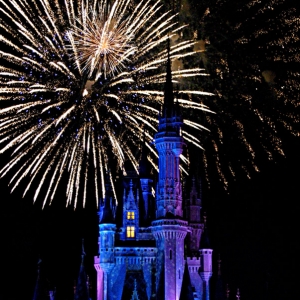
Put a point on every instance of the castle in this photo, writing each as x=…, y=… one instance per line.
x=155, y=250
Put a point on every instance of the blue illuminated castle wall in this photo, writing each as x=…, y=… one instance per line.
x=158, y=249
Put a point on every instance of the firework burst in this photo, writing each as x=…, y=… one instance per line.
x=250, y=48
x=101, y=41
x=80, y=80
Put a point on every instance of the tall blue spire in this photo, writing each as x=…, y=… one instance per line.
x=168, y=106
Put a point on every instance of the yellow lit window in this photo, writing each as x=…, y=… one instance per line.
x=130, y=231
x=130, y=215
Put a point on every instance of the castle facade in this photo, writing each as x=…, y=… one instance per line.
x=157, y=248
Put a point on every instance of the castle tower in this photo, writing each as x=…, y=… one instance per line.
x=105, y=262
x=206, y=262
x=169, y=229
x=131, y=214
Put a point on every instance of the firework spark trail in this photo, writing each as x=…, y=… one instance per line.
x=79, y=80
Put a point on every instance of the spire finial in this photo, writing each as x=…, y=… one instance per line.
x=131, y=184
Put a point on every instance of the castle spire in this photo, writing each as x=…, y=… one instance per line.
x=169, y=229
x=144, y=168
x=205, y=242
x=206, y=261
x=168, y=105
x=40, y=291
x=82, y=291
x=220, y=292
x=107, y=209
x=135, y=295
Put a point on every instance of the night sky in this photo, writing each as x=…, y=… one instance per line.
x=253, y=225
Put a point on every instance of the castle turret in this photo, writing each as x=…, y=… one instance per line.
x=206, y=262
x=169, y=229
x=105, y=262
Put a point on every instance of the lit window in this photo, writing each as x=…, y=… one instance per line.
x=130, y=231
x=130, y=215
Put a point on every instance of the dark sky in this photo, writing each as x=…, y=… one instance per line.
x=254, y=229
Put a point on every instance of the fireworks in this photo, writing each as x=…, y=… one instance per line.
x=252, y=56
x=82, y=80
x=104, y=41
